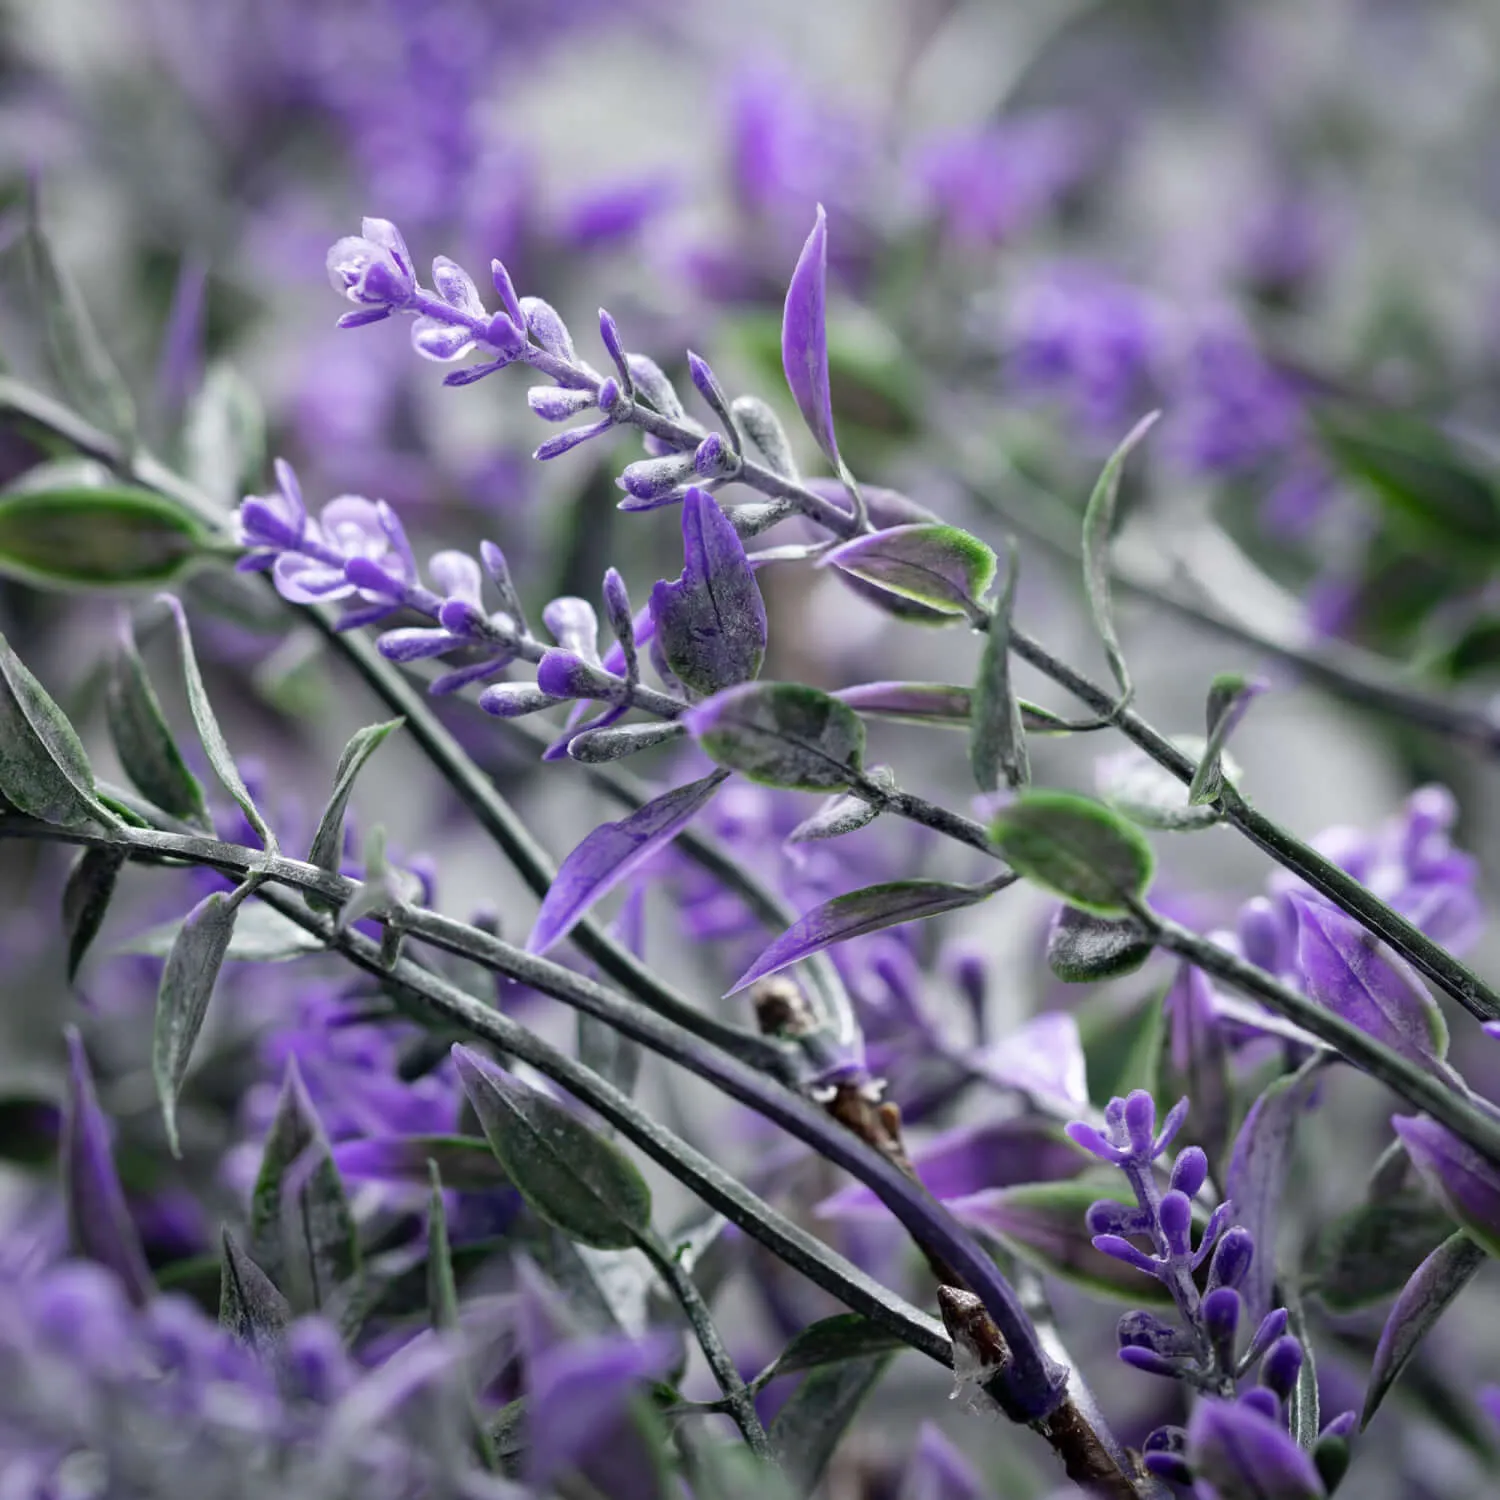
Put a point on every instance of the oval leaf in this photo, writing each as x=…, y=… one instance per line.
x=86, y=897
x=940, y=703
x=569, y=1175
x=831, y=1341
x=804, y=338
x=711, y=621
x=187, y=985
x=1082, y=948
x=327, y=848
x=841, y=815
x=612, y=852
x=937, y=566
x=1076, y=848
x=1461, y=1179
x=96, y=538
x=1149, y=794
x=781, y=734
x=144, y=743
x=1423, y=1300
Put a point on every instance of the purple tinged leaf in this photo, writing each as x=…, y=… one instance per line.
x=1195, y=1060
x=1458, y=1176
x=595, y=747
x=1423, y=1300
x=1256, y=1178
x=712, y=458
x=856, y=914
x=565, y=442
x=1246, y=1455
x=507, y=293
x=99, y=1224
x=1043, y=1059
x=1344, y=969
x=841, y=815
x=653, y=384
x=611, y=853
x=548, y=329
x=937, y=566
x=912, y=702
x=654, y=482
x=711, y=621
x=514, y=700
x=804, y=338
x=441, y=341
x=781, y=734
x=460, y=677
x=563, y=674
x=609, y=336
x=416, y=643
x=556, y=404
x=764, y=429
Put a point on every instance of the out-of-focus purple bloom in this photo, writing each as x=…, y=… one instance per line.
x=1246, y=1455
x=1467, y=1184
x=1043, y=1059
x=617, y=211
x=938, y=1471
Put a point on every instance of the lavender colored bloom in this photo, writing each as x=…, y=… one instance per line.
x=804, y=338
x=1247, y=1455
x=374, y=268
x=1467, y=1184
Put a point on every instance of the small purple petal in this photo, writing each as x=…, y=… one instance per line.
x=804, y=338
x=1247, y=1456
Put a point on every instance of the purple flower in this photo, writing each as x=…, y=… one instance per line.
x=1247, y=1455
x=373, y=269
x=1467, y=1184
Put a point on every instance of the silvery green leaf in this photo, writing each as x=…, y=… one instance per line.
x=611, y=1054
x=44, y=771
x=215, y=746
x=301, y=1228
x=781, y=734
x=86, y=897
x=1229, y=695
x=1076, y=848
x=86, y=374
x=939, y=567
x=997, y=737
x=1302, y=1406
x=262, y=935
x=250, y=1307
x=1098, y=524
x=831, y=1341
x=764, y=429
x=1083, y=948
x=143, y=741
x=570, y=1175
x=326, y=851
x=596, y=746
x=224, y=436
x=1367, y=1254
x=815, y=1418
x=442, y=1289
x=1148, y=794
x=846, y=814
x=187, y=984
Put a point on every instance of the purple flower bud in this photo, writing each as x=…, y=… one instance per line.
x=363, y=318
x=1189, y=1171
x=1264, y=938
x=1341, y=1426
x=548, y=329
x=1144, y=1330
x=507, y=291
x=1152, y=1363
x=1232, y=1258
x=504, y=334
x=499, y=570
x=415, y=644
x=1171, y=1467
x=470, y=373
x=655, y=481
x=555, y=403
x=456, y=574
x=574, y=625
x=565, y=442
x=476, y=671
x=374, y=267
x=1175, y=1216
x=1216, y=1222
x=1245, y=1454
x=609, y=394
x=1263, y=1401
x=441, y=341
x=1170, y=1126
x=314, y=1364
x=456, y=287
x=712, y=458
x=370, y=578
x=609, y=336
x=514, y=700
x=706, y=382
x=1085, y=1135
x=260, y=523
x=1119, y=1248
x=1272, y=1326
x=1221, y=1319
x=1281, y=1366
x=1140, y=1121
x=564, y=674
x=461, y=618
x=1109, y=1217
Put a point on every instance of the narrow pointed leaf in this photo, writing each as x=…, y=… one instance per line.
x=215, y=746
x=96, y=538
x=611, y=853
x=80, y=362
x=86, y=898
x=442, y=1289
x=857, y=913
x=1423, y=1300
x=99, y=1224
x=187, y=985
x=327, y=847
x=1229, y=696
x=831, y=1341
x=569, y=1174
x=818, y=1414
x=1367, y=1254
x=997, y=736
x=43, y=768
x=940, y=703
x=1098, y=524
x=781, y=734
x=144, y=743
x=1079, y=849
x=711, y=621
x=466, y=1162
x=937, y=566
x=224, y=436
x=1083, y=948
x=804, y=338
x=250, y=1307
x=1303, y=1404
x=301, y=1228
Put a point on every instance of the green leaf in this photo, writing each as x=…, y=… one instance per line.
x=215, y=746
x=1098, y=524
x=86, y=897
x=937, y=566
x=1438, y=492
x=1083, y=948
x=143, y=741
x=830, y=1341
x=442, y=1289
x=781, y=734
x=1122, y=1046
x=301, y=1227
x=96, y=538
x=997, y=734
x=328, y=842
x=44, y=771
x=1302, y=1407
x=570, y=1175
x=1367, y=1254
x=1229, y=695
x=70, y=473
x=604, y=1050
x=187, y=985
x=262, y=935
x=224, y=436
x=816, y=1416
x=250, y=1307
x=1077, y=848
x=1149, y=794
x=82, y=366
x=942, y=703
